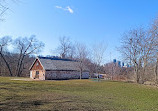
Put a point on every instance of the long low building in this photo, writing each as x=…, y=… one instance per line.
x=53, y=68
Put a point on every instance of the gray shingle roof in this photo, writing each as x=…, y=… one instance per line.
x=60, y=64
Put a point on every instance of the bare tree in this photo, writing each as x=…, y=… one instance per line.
x=64, y=47
x=156, y=71
x=148, y=53
x=72, y=51
x=81, y=55
x=98, y=52
x=131, y=49
x=139, y=47
x=26, y=46
x=4, y=7
x=153, y=34
x=4, y=43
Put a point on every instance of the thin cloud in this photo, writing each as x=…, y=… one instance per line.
x=58, y=7
x=70, y=10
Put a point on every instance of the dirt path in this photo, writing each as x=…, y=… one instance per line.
x=23, y=79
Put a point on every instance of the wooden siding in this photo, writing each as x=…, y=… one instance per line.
x=37, y=67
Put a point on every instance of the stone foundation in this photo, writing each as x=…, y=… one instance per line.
x=59, y=75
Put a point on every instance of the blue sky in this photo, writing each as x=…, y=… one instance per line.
x=85, y=21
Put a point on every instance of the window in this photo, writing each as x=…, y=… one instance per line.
x=37, y=72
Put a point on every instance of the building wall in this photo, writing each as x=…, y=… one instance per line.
x=50, y=75
x=40, y=76
x=37, y=67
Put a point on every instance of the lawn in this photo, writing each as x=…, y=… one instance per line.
x=76, y=95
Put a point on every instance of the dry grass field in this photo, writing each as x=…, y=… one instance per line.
x=77, y=95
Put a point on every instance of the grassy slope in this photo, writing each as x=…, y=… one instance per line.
x=76, y=95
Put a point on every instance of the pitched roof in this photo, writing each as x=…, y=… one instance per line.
x=60, y=64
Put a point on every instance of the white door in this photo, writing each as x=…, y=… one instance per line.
x=31, y=74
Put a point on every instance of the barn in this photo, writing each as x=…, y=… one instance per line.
x=54, y=68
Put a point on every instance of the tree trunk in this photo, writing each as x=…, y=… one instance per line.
x=137, y=74
x=7, y=64
x=80, y=73
x=156, y=72
x=144, y=68
x=19, y=69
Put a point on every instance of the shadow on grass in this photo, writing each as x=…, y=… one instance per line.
x=16, y=105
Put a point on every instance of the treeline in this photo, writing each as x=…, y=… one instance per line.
x=16, y=55
x=140, y=49
x=91, y=57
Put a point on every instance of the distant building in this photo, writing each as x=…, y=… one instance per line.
x=128, y=65
x=114, y=60
x=123, y=64
x=119, y=63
